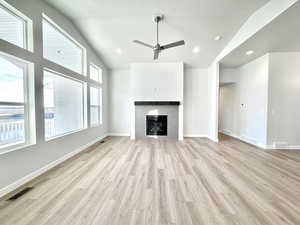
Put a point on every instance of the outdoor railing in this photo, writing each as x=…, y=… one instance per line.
x=12, y=131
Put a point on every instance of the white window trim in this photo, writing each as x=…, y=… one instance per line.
x=100, y=78
x=64, y=134
x=84, y=107
x=27, y=25
x=48, y=20
x=101, y=105
x=100, y=122
x=29, y=125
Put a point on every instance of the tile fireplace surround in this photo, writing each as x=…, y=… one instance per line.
x=171, y=109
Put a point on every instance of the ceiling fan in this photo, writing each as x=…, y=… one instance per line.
x=158, y=48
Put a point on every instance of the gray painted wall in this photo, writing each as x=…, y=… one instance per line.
x=18, y=164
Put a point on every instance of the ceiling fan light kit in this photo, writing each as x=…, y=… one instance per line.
x=159, y=48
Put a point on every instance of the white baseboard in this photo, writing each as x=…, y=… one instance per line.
x=44, y=169
x=289, y=147
x=213, y=139
x=260, y=145
x=246, y=139
x=224, y=131
x=196, y=135
x=118, y=134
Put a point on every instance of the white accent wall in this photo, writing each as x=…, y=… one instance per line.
x=213, y=86
x=243, y=104
x=260, y=103
x=157, y=81
x=228, y=76
x=196, y=102
x=119, y=102
x=284, y=100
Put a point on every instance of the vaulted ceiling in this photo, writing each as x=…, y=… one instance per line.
x=112, y=24
x=280, y=35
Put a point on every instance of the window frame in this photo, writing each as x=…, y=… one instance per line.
x=99, y=106
x=83, y=71
x=84, y=106
x=99, y=69
x=29, y=127
x=26, y=22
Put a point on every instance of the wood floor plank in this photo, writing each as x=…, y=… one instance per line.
x=164, y=182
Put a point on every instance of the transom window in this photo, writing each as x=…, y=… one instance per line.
x=12, y=27
x=95, y=106
x=95, y=73
x=14, y=103
x=64, y=103
x=60, y=48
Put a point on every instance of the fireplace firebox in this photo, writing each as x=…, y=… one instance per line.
x=156, y=125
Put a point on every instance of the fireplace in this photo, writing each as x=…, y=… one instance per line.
x=159, y=120
x=156, y=125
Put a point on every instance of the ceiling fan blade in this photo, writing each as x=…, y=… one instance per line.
x=174, y=44
x=143, y=43
x=156, y=53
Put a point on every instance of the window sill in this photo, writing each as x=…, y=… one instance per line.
x=95, y=125
x=16, y=147
x=65, y=134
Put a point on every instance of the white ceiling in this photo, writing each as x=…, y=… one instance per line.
x=113, y=24
x=281, y=35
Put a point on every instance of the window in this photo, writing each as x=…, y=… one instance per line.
x=61, y=48
x=95, y=106
x=12, y=27
x=64, y=102
x=14, y=103
x=95, y=73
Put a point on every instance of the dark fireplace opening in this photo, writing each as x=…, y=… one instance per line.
x=157, y=125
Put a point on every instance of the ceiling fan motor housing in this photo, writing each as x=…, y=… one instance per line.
x=158, y=18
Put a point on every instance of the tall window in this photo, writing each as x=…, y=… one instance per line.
x=14, y=102
x=12, y=27
x=95, y=106
x=95, y=73
x=60, y=48
x=64, y=102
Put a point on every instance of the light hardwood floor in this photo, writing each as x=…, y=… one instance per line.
x=156, y=182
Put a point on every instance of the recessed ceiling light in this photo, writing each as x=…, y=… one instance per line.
x=119, y=51
x=250, y=52
x=196, y=49
x=218, y=38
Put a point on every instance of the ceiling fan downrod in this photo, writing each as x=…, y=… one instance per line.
x=157, y=19
x=158, y=48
